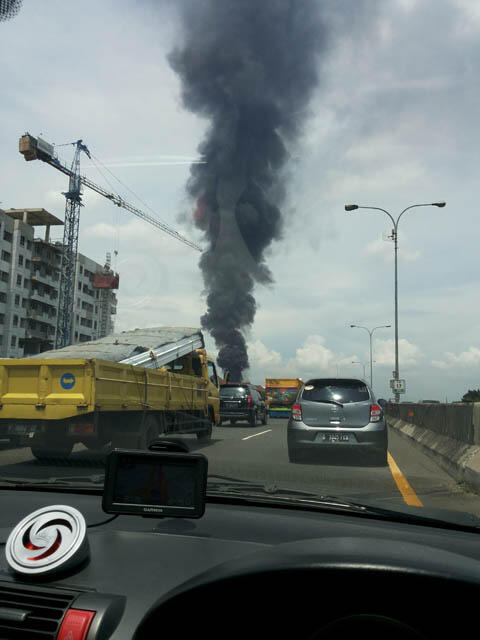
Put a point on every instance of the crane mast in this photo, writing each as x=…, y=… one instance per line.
x=70, y=249
x=37, y=149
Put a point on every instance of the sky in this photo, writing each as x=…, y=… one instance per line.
x=393, y=122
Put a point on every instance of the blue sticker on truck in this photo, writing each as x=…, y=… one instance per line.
x=67, y=380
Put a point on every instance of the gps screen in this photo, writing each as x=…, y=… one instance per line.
x=167, y=484
x=140, y=482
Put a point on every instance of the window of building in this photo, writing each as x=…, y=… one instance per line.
x=17, y=300
x=76, y=335
x=23, y=322
x=81, y=269
x=94, y=325
x=7, y=236
x=28, y=264
x=15, y=321
x=33, y=324
x=3, y=296
x=22, y=241
x=21, y=343
x=19, y=281
x=20, y=260
x=6, y=256
x=79, y=286
x=1, y=339
x=2, y=318
x=4, y=276
x=13, y=341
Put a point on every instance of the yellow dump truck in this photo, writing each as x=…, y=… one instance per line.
x=123, y=390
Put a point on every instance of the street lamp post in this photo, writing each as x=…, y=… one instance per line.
x=354, y=207
x=370, y=333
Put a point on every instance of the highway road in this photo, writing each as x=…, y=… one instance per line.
x=260, y=454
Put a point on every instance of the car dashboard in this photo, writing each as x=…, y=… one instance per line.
x=246, y=570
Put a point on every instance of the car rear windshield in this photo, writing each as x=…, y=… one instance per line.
x=233, y=392
x=343, y=391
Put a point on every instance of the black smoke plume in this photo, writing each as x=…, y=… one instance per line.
x=249, y=67
x=9, y=9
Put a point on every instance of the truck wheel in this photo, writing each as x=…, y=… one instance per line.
x=206, y=434
x=148, y=433
x=52, y=449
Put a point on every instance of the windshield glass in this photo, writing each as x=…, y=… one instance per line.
x=338, y=390
x=272, y=195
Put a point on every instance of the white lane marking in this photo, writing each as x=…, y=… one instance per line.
x=256, y=434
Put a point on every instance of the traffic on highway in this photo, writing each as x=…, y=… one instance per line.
x=239, y=355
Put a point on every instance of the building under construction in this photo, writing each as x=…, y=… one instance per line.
x=30, y=284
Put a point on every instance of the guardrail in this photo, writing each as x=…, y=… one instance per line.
x=460, y=421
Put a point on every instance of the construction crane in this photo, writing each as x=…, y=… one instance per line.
x=37, y=149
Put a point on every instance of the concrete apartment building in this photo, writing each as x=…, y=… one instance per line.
x=30, y=282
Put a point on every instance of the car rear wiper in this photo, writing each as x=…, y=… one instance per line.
x=339, y=404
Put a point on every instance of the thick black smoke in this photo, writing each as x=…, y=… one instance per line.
x=250, y=67
x=9, y=9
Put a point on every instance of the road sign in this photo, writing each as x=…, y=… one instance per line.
x=398, y=386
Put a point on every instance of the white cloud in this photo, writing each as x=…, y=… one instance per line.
x=408, y=353
x=312, y=358
x=262, y=356
x=468, y=358
x=383, y=249
x=314, y=354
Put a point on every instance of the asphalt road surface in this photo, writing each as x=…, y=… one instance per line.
x=260, y=454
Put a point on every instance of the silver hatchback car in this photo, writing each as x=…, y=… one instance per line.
x=337, y=413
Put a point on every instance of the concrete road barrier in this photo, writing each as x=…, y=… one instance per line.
x=448, y=433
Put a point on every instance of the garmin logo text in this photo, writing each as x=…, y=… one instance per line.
x=153, y=509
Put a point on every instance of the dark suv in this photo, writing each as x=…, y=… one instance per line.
x=332, y=413
x=242, y=401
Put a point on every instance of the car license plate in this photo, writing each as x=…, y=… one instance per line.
x=336, y=437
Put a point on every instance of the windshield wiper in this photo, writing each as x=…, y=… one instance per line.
x=55, y=481
x=270, y=493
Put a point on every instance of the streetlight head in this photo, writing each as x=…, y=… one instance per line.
x=351, y=207
x=439, y=204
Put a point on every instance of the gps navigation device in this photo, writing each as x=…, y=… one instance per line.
x=155, y=484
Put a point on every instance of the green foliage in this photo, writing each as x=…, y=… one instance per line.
x=473, y=395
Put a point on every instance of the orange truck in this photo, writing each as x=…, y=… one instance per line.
x=281, y=394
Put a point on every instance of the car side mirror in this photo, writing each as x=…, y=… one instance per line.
x=382, y=402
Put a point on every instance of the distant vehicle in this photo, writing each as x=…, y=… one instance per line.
x=240, y=402
x=337, y=413
x=281, y=394
x=429, y=401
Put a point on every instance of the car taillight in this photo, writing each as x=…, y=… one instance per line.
x=249, y=401
x=375, y=413
x=297, y=412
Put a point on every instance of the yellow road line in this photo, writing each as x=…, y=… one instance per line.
x=408, y=494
